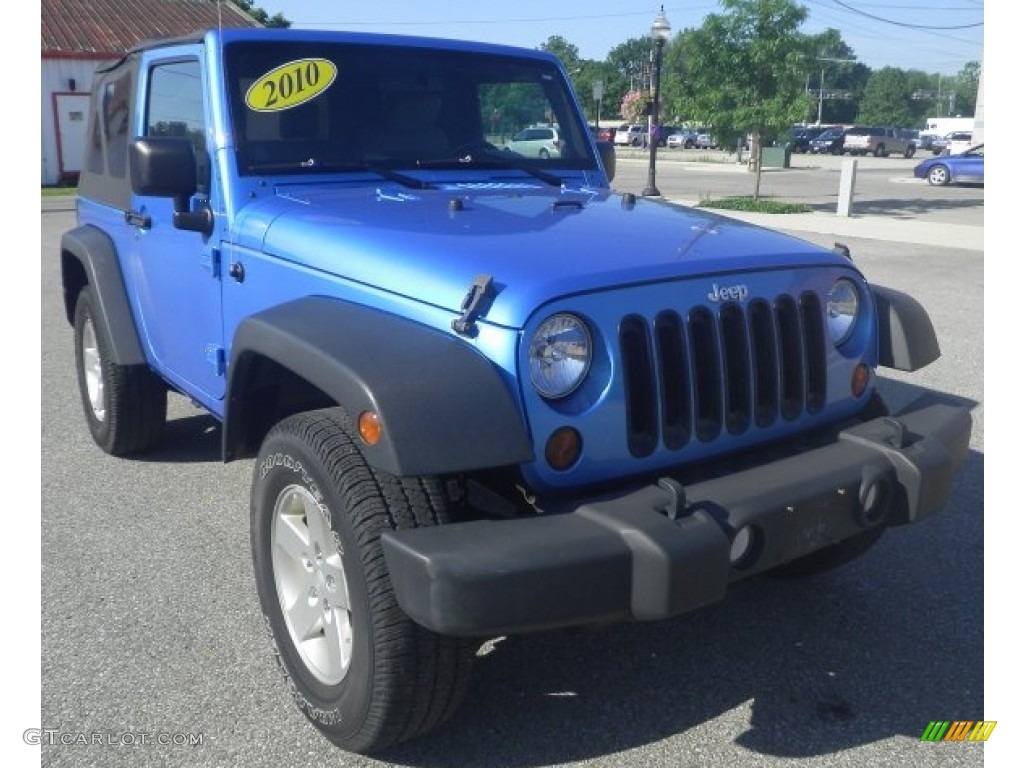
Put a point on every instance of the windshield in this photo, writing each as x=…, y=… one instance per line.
x=331, y=107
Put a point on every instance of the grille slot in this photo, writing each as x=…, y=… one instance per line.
x=814, y=347
x=765, y=362
x=707, y=377
x=697, y=375
x=673, y=371
x=639, y=383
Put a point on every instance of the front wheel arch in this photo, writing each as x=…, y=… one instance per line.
x=455, y=384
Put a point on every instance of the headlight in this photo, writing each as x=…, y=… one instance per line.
x=841, y=309
x=560, y=354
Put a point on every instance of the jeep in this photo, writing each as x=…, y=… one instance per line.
x=482, y=392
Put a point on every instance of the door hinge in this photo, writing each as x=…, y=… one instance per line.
x=211, y=261
x=215, y=357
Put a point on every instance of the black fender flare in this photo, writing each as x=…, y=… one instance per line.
x=443, y=406
x=906, y=336
x=96, y=256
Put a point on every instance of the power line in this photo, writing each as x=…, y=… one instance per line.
x=905, y=24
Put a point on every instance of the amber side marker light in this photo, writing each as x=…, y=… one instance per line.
x=369, y=427
x=563, y=448
x=859, y=382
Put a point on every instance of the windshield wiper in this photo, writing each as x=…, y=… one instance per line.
x=493, y=159
x=312, y=164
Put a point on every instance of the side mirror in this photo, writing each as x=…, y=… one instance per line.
x=165, y=166
x=607, y=152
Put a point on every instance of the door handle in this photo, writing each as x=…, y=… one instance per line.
x=141, y=220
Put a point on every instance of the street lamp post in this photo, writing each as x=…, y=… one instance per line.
x=660, y=30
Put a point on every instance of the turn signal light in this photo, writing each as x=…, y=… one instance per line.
x=369, y=427
x=859, y=382
x=563, y=448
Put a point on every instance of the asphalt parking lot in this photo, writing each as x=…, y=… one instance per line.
x=884, y=186
x=150, y=622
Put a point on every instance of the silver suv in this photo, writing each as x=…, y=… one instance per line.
x=540, y=141
x=878, y=141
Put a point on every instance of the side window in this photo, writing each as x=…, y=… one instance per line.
x=174, y=107
x=115, y=104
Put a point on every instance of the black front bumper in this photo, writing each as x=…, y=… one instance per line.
x=664, y=549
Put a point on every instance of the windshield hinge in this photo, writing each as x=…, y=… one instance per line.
x=475, y=304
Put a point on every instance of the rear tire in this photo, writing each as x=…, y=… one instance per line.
x=125, y=405
x=357, y=666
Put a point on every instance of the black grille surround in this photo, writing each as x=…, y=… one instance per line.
x=706, y=372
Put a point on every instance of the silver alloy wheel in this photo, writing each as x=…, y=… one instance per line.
x=311, y=585
x=92, y=367
x=938, y=175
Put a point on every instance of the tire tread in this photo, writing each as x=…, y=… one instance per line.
x=421, y=677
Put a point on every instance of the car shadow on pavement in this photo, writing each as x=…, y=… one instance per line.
x=902, y=208
x=186, y=440
x=871, y=651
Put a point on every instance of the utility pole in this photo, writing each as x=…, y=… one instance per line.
x=821, y=82
x=821, y=93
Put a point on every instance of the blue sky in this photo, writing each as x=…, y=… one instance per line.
x=909, y=34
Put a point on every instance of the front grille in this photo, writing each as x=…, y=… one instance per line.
x=705, y=374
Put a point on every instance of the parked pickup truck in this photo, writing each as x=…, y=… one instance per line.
x=481, y=392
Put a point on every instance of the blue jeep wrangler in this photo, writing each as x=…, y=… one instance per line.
x=482, y=392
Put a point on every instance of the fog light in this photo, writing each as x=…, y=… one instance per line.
x=874, y=500
x=742, y=546
x=859, y=382
x=369, y=427
x=563, y=448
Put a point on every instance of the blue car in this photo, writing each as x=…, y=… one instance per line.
x=965, y=168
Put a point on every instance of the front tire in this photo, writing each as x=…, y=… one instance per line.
x=125, y=405
x=357, y=666
x=938, y=176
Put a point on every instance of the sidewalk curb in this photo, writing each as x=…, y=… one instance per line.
x=963, y=236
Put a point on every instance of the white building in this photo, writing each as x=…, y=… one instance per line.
x=78, y=36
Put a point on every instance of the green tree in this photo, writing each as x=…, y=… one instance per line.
x=583, y=73
x=566, y=52
x=888, y=99
x=264, y=18
x=628, y=68
x=966, y=88
x=747, y=72
x=833, y=72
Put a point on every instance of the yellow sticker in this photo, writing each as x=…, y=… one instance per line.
x=291, y=84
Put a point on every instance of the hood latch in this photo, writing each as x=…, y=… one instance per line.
x=475, y=304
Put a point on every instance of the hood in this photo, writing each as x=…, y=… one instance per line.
x=536, y=242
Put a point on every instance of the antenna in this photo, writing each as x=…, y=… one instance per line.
x=220, y=23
